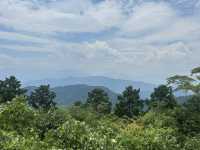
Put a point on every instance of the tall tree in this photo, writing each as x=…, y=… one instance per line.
x=43, y=98
x=10, y=88
x=99, y=101
x=187, y=83
x=129, y=103
x=162, y=97
x=188, y=118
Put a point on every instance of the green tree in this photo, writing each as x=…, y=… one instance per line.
x=187, y=83
x=129, y=103
x=43, y=98
x=99, y=101
x=9, y=89
x=162, y=97
x=188, y=118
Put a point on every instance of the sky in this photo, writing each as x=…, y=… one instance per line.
x=141, y=40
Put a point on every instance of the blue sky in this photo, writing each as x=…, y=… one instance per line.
x=145, y=40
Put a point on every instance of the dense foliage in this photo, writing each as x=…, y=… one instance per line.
x=9, y=88
x=162, y=98
x=99, y=101
x=42, y=97
x=129, y=103
x=165, y=125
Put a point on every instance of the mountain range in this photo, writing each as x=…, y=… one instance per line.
x=72, y=89
x=116, y=85
x=67, y=95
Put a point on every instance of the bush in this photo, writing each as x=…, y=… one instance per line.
x=78, y=135
x=14, y=141
x=188, y=118
x=160, y=120
x=192, y=143
x=139, y=138
x=17, y=116
x=45, y=121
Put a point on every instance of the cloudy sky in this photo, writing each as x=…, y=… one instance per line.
x=146, y=40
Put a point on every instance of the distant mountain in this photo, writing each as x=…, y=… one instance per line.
x=116, y=85
x=67, y=95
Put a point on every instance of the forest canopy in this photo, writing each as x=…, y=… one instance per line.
x=36, y=122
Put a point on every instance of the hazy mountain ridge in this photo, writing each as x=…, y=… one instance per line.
x=116, y=85
x=71, y=89
x=67, y=95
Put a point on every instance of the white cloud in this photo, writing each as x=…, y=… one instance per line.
x=21, y=15
x=181, y=29
x=108, y=14
x=148, y=17
x=151, y=36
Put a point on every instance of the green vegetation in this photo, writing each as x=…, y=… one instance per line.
x=35, y=122
x=42, y=98
x=162, y=98
x=99, y=101
x=9, y=89
x=129, y=103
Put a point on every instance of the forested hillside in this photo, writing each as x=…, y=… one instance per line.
x=36, y=122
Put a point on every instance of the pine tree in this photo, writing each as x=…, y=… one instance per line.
x=99, y=101
x=129, y=103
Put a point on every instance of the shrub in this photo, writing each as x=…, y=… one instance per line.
x=192, y=143
x=78, y=135
x=154, y=119
x=139, y=138
x=17, y=116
